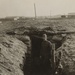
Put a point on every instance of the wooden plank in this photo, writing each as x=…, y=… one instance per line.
x=60, y=32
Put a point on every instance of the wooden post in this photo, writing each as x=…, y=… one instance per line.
x=50, y=14
x=35, y=10
x=53, y=58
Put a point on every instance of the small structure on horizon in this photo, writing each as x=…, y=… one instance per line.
x=71, y=15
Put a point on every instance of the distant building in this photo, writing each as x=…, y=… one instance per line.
x=58, y=16
x=63, y=16
x=16, y=18
x=7, y=19
x=71, y=15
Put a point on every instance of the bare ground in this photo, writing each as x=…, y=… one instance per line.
x=13, y=50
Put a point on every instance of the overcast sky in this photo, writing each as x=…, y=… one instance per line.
x=43, y=7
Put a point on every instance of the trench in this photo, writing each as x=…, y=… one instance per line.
x=32, y=64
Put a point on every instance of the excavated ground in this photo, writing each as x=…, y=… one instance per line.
x=12, y=52
x=68, y=55
x=13, y=49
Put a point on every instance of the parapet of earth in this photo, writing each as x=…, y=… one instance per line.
x=12, y=52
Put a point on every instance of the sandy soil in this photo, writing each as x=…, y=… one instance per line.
x=12, y=52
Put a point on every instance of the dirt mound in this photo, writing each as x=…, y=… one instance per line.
x=12, y=52
x=68, y=55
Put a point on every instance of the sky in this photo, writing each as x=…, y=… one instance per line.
x=43, y=7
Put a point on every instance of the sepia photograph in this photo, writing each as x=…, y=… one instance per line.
x=37, y=37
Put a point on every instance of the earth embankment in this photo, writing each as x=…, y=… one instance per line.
x=12, y=52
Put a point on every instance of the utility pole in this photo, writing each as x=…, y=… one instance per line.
x=35, y=10
x=50, y=14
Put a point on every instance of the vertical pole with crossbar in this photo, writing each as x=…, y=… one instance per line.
x=35, y=10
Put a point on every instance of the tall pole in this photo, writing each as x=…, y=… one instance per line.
x=35, y=10
x=50, y=14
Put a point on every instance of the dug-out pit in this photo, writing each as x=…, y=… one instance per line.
x=32, y=64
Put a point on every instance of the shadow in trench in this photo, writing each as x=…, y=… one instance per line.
x=34, y=67
x=32, y=63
